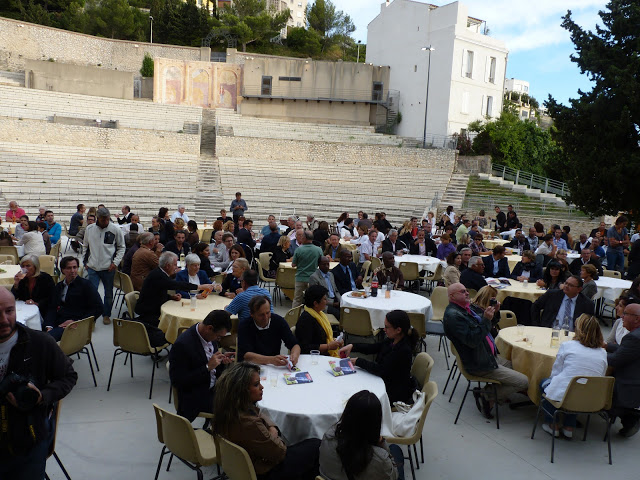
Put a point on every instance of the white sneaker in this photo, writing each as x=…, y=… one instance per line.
x=567, y=433
x=547, y=428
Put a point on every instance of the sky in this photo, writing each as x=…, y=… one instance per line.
x=539, y=48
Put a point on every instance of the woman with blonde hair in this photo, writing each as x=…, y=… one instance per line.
x=280, y=255
x=582, y=356
x=482, y=301
x=229, y=227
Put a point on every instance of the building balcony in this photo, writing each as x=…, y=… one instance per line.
x=309, y=94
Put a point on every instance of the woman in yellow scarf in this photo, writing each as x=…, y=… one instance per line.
x=313, y=329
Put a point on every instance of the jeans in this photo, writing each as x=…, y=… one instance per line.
x=95, y=276
x=615, y=259
x=569, y=420
x=398, y=457
x=300, y=463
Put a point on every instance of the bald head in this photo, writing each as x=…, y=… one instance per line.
x=458, y=294
x=631, y=317
x=7, y=315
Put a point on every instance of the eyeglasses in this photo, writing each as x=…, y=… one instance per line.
x=571, y=285
x=628, y=314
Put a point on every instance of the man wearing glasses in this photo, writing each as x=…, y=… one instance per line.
x=558, y=305
x=625, y=361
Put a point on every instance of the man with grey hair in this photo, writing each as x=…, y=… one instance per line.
x=14, y=213
x=291, y=222
x=154, y=293
x=104, y=249
x=305, y=259
x=219, y=252
x=392, y=244
x=145, y=259
x=312, y=223
x=180, y=214
x=472, y=277
x=465, y=255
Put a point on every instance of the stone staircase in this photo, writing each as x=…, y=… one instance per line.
x=209, y=198
x=13, y=79
x=455, y=192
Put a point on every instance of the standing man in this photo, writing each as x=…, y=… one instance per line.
x=501, y=220
x=305, y=259
x=238, y=207
x=53, y=228
x=105, y=248
x=27, y=431
x=76, y=220
x=618, y=238
x=126, y=215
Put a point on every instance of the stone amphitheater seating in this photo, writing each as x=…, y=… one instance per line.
x=244, y=126
x=61, y=177
x=20, y=102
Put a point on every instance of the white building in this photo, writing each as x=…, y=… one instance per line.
x=298, y=9
x=467, y=67
x=515, y=85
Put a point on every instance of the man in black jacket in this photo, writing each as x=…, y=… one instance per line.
x=346, y=274
x=392, y=244
x=519, y=242
x=472, y=277
x=423, y=245
x=193, y=361
x=496, y=265
x=558, y=304
x=470, y=332
x=26, y=436
x=501, y=220
x=585, y=258
x=72, y=299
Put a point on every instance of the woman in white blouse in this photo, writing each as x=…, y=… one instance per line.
x=618, y=331
x=582, y=356
x=32, y=241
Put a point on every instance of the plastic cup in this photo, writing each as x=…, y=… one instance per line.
x=520, y=329
x=194, y=301
x=273, y=378
x=530, y=339
x=315, y=355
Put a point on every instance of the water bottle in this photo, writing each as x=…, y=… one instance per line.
x=525, y=283
x=374, y=288
x=182, y=259
x=565, y=328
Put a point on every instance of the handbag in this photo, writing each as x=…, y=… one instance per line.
x=405, y=419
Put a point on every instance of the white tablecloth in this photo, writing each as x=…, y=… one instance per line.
x=309, y=410
x=7, y=274
x=611, y=288
x=379, y=306
x=424, y=262
x=28, y=315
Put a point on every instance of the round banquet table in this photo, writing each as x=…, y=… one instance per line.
x=174, y=315
x=424, y=262
x=10, y=227
x=535, y=361
x=517, y=289
x=6, y=276
x=28, y=315
x=289, y=265
x=492, y=242
x=379, y=306
x=611, y=288
x=309, y=410
x=348, y=244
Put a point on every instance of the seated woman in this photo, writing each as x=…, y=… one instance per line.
x=561, y=257
x=231, y=284
x=354, y=450
x=238, y=419
x=589, y=274
x=32, y=240
x=229, y=226
x=477, y=246
x=340, y=222
x=394, y=356
x=236, y=251
x=201, y=249
x=482, y=301
x=618, y=331
x=465, y=242
x=192, y=274
x=582, y=356
x=451, y=274
x=553, y=277
x=33, y=286
x=321, y=234
x=280, y=255
x=313, y=329
x=192, y=233
x=526, y=269
x=405, y=235
x=445, y=247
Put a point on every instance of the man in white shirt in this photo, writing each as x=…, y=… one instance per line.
x=366, y=247
x=547, y=248
x=180, y=214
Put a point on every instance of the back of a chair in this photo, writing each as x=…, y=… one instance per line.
x=265, y=259
x=235, y=460
x=417, y=321
x=55, y=249
x=293, y=315
x=472, y=293
x=356, y=321
x=47, y=264
x=588, y=394
x=75, y=336
x=431, y=392
x=260, y=268
x=206, y=235
x=55, y=415
x=126, y=284
x=13, y=251
x=356, y=256
x=8, y=259
x=459, y=363
x=507, y=319
x=375, y=263
x=366, y=268
x=611, y=273
x=421, y=368
x=439, y=302
x=132, y=299
x=438, y=274
x=177, y=434
x=286, y=278
x=131, y=336
x=409, y=271
x=248, y=252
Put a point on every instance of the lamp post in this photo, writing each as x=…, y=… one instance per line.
x=359, y=42
x=426, y=102
x=151, y=19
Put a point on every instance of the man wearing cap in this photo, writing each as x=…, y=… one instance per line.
x=104, y=250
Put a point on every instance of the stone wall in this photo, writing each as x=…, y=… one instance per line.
x=334, y=154
x=40, y=132
x=20, y=41
x=473, y=164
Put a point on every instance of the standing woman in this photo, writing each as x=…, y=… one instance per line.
x=33, y=286
x=238, y=419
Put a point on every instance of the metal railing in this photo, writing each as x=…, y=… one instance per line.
x=295, y=92
x=432, y=141
x=540, y=207
x=546, y=185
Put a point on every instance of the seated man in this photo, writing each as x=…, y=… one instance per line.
x=547, y=249
x=346, y=274
x=76, y=220
x=558, y=241
x=527, y=269
x=367, y=247
x=389, y=272
x=584, y=242
x=597, y=251
x=585, y=259
x=334, y=248
x=533, y=239
x=135, y=220
x=178, y=245
x=392, y=244
x=193, y=360
x=624, y=359
x=270, y=240
x=240, y=303
x=519, y=242
x=219, y=249
x=322, y=276
x=127, y=260
x=14, y=213
x=496, y=265
x=53, y=228
x=132, y=236
x=465, y=254
x=558, y=305
x=472, y=277
x=423, y=245
x=245, y=235
x=145, y=259
x=75, y=298
x=266, y=230
x=470, y=333
x=260, y=336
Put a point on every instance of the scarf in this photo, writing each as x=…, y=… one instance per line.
x=322, y=319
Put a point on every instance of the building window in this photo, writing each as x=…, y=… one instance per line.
x=467, y=64
x=489, y=106
x=299, y=14
x=525, y=114
x=415, y=68
x=465, y=103
x=463, y=132
x=290, y=79
x=266, y=86
x=525, y=88
x=378, y=88
x=492, y=70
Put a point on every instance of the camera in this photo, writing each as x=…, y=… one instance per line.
x=493, y=302
x=26, y=398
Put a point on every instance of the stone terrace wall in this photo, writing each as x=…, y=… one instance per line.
x=333, y=153
x=21, y=40
x=40, y=132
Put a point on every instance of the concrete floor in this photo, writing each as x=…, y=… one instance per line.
x=106, y=435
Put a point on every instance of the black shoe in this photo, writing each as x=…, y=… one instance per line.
x=486, y=408
x=630, y=431
x=477, y=394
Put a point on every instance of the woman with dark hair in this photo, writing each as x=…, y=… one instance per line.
x=201, y=249
x=354, y=450
x=164, y=219
x=343, y=216
x=42, y=228
x=236, y=251
x=553, y=277
x=539, y=229
x=393, y=356
x=321, y=234
x=238, y=419
x=313, y=329
x=192, y=235
x=589, y=274
x=346, y=231
x=32, y=240
x=451, y=274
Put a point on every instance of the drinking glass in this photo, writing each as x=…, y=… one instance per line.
x=273, y=378
x=193, y=301
x=520, y=330
x=315, y=355
x=530, y=339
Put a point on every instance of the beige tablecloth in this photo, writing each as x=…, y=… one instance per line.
x=535, y=361
x=288, y=265
x=490, y=243
x=6, y=277
x=517, y=289
x=174, y=315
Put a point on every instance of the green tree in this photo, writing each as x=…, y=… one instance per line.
x=147, y=66
x=600, y=130
x=304, y=41
x=335, y=27
x=117, y=19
